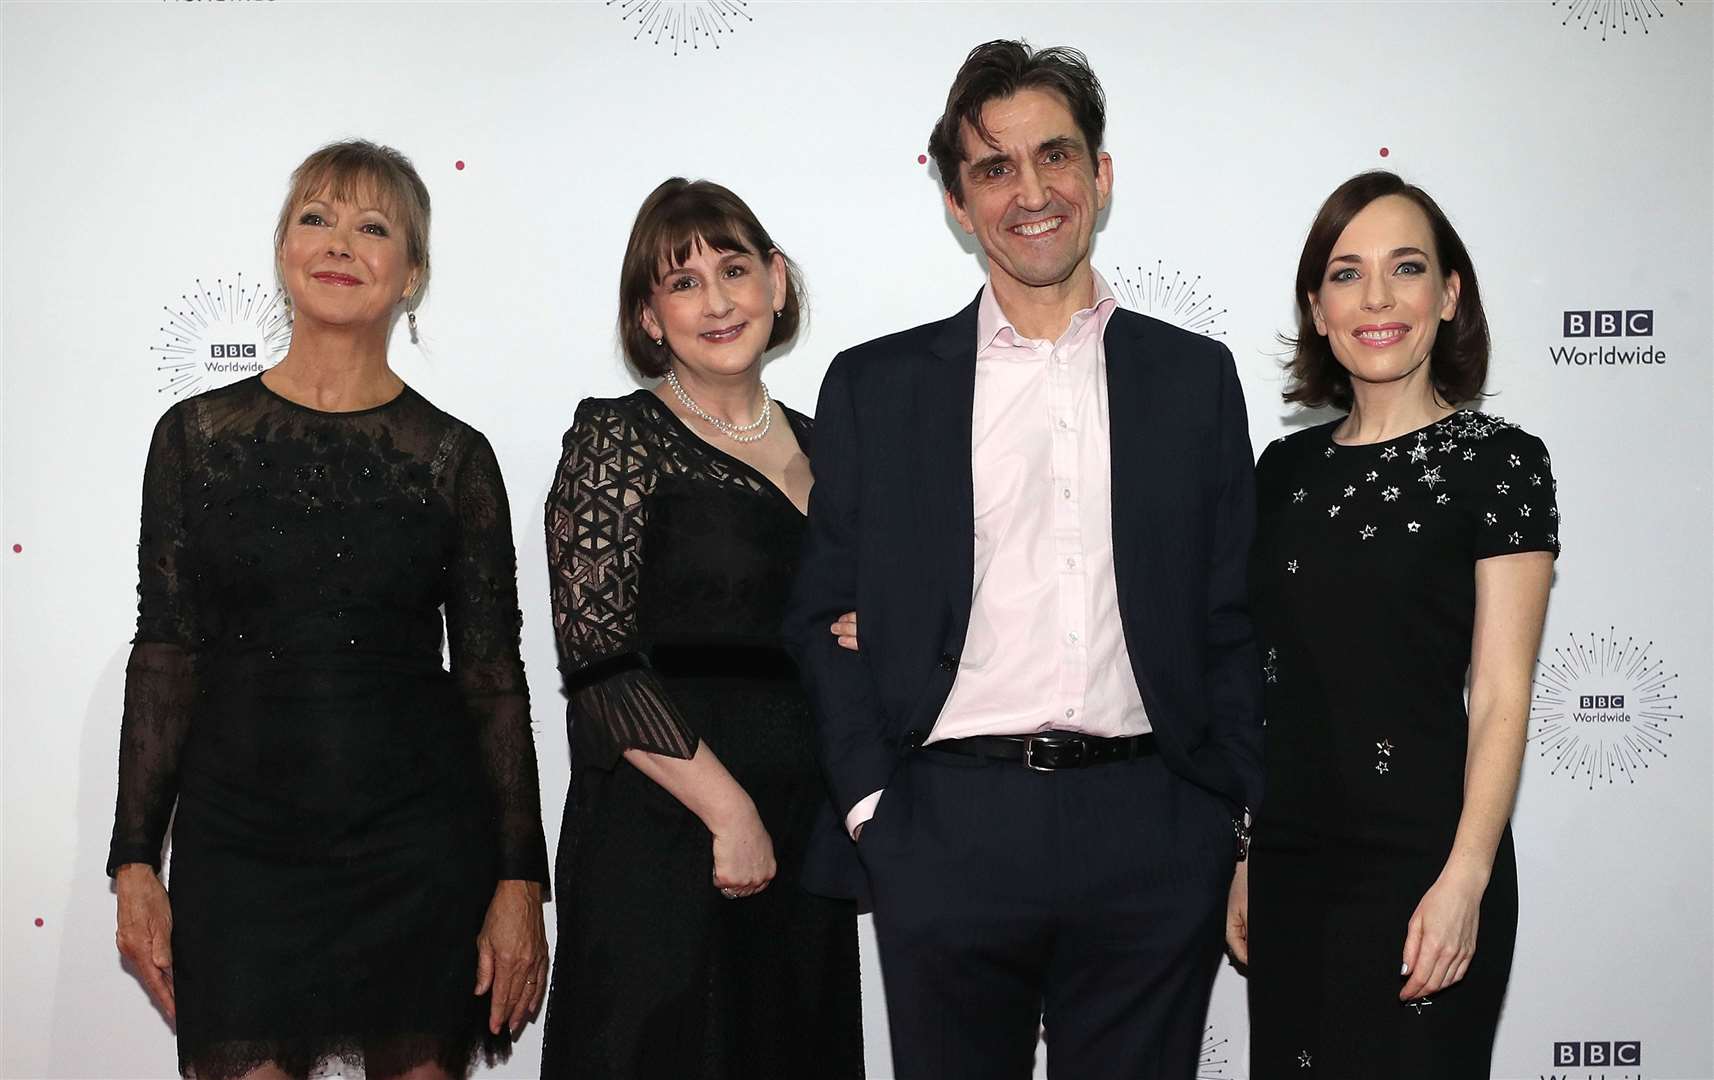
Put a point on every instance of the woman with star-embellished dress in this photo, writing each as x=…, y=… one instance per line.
x=686, y=949
x=357, y=861
x=1403, y=552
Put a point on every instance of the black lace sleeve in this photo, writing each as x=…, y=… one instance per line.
x=159, y=681
x=483, y=622
x=597, y=511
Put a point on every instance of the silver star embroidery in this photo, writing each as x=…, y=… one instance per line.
x=1303, y=1059
x=1469, y=455
x=1389, y=453
x=1299, y=495
x=1514, y=460
x=1385, y=746
x=1552, y=538
x=1442, y=499
x=1413, y=526
x=1271, y=668
x=1524, y=510
x=1535, y=479
x=1419, y=1004
x=1489, y=518
x=1349, y=491
x=1333, y=511
x=1373, y=476
x=1502, y=487
x=1418, y=453
x=1367, y=532
x=1431, y=477
x=1381, y=766
x=1553, y=511
x=1291, y=567
x=1447, y=446
x=1327, y=452
x=1390, y=494
x=1517, y=538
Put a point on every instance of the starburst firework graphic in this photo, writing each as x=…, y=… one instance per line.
x=218, y=331
x=1172, y=297
x=688, y=25
x=1613, y=16
x=1214, y=1057
x=1602, y=708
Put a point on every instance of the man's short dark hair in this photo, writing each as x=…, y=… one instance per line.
x=998, y=70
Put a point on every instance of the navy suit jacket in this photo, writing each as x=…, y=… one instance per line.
x=890, y=535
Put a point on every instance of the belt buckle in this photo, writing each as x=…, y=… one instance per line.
x=1053, y=743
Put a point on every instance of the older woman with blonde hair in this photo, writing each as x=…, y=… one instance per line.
x=351, y=817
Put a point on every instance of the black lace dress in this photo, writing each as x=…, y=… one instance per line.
x=1363, y=589
x=345, y=804
x=669, y=563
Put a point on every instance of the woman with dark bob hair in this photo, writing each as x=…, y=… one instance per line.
x=358, y=865
x=673, y=527
x=1403, y=551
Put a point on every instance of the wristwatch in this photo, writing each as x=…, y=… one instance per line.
x=1241, y=830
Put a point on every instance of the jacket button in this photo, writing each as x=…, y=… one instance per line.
x=948, y=662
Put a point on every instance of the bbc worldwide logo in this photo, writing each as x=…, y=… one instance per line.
x=1626, y=324
x=1617, y=1060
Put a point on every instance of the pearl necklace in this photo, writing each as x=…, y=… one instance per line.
x=743, y=433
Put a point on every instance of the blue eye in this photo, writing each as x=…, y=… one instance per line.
x=1411, y=268
x=1347, y=274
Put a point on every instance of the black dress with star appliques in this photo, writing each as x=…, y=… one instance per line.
x=345, y=804
x=670, y=562
x=1364, y=598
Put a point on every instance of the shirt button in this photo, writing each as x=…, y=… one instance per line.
x=1071, y=564
x=1072, y=637
x=1062, y=424
x=1065, y=493
x=1069, y=713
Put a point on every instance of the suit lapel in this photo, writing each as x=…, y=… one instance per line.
x=946, y=396
x=1139, y=432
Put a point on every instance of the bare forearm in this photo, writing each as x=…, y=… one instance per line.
x=700, y=782
x=1491, y=768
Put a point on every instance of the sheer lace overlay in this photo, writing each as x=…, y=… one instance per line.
x=597, y=518
x=345, y=803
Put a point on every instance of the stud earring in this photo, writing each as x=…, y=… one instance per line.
x=660, y=342
x=411, y=317
x=780, y=312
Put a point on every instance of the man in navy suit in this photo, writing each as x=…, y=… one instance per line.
x=1041, y=507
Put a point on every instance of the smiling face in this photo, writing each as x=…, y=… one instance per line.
x=1383, y=294
x=716, y=309
x=1032, y=199
x=345, y=263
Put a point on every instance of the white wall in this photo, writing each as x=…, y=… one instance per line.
x=146, y=147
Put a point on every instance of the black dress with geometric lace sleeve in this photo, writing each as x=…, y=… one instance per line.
x=345, y=803
x=669, y=562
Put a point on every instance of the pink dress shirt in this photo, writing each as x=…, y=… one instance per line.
x=1045, y=648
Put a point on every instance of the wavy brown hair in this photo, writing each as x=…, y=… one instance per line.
x=1458, y=363
x=678, y=215
x=999, y=69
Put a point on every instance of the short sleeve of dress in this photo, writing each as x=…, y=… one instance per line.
x=596, y=517
x=1515, y=503
x=483, y=625
x=159, y=682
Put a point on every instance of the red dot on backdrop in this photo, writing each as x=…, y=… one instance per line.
x=38, y=922
x=16, y=548
x=1385, y=151
x=459, y=165
x=922, y=159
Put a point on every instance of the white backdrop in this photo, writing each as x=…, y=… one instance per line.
x=146, y=147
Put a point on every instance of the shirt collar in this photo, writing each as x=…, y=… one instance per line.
x=992, y=326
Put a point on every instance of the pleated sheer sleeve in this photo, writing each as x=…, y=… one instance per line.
x=483, y=623
x=597, y=512
x=160, y=683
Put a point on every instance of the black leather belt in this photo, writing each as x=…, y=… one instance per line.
x=1050, y=751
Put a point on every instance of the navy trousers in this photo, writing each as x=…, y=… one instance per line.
x=1083, y=906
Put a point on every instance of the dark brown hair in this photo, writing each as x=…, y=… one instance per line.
x=357, y=168
x=1458, y=363
x=678, y=215
x=1000, y=69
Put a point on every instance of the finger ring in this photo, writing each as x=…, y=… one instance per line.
x=730, y=894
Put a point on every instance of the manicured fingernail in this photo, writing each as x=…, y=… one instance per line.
x=1404, y=969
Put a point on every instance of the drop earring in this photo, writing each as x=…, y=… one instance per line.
x=411, y=317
